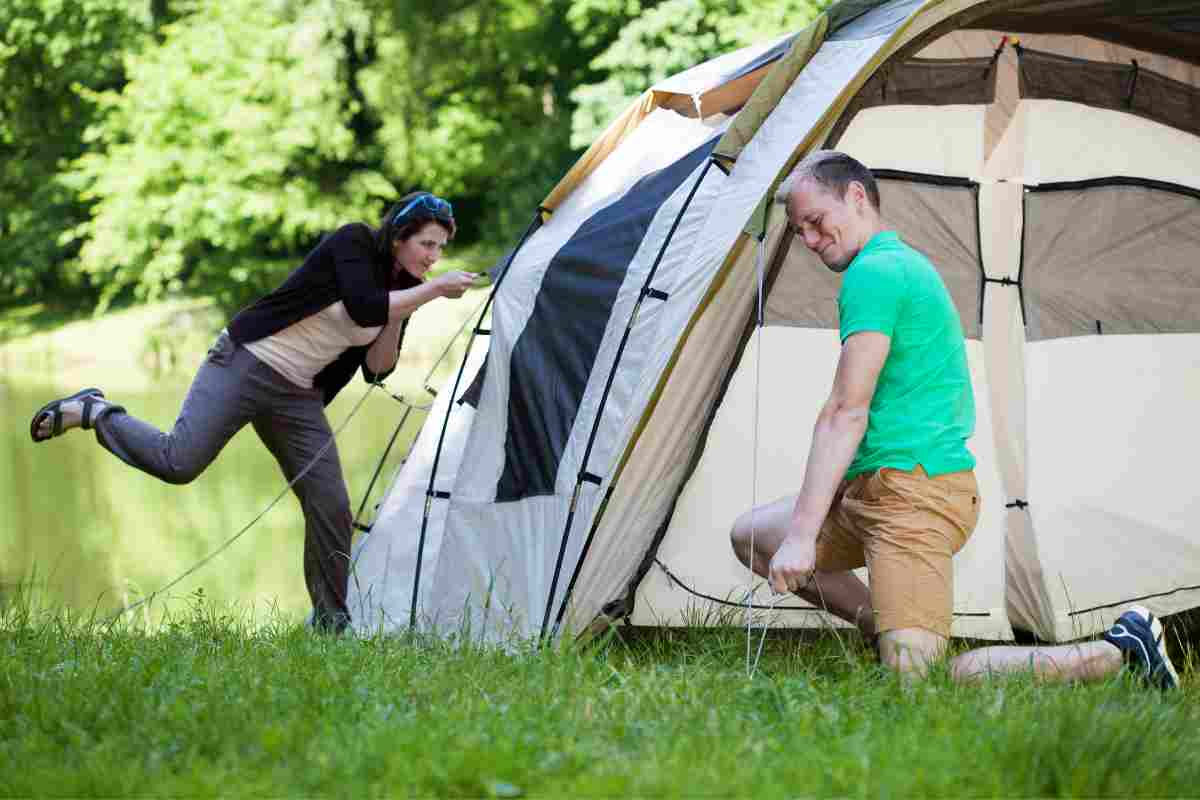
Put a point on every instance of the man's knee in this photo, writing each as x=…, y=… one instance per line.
x=741, y=535
x=911, y=651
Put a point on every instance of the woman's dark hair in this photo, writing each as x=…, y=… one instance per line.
x=416, y=218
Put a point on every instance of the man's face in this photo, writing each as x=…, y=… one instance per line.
x=833, y=228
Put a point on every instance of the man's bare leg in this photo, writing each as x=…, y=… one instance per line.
x=840, y=593
x=911, y=651
x=1088, y=661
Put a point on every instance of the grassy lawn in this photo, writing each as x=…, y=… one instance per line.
x=215, y=704
x=220, y=691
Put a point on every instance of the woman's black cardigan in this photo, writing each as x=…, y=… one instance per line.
x=347, y=265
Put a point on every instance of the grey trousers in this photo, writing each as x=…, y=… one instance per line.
x=233, y=388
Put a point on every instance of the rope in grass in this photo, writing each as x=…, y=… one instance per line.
x=758, y=265
x=230, y=541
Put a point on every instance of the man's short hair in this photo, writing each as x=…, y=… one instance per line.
x=834, y=171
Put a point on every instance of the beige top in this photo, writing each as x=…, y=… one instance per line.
x=301, y=350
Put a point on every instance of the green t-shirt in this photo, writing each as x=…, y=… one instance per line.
x=923, y=410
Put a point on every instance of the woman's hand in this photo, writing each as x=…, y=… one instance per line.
x=454, y=284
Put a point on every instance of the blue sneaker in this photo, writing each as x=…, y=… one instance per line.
x=1139, y=636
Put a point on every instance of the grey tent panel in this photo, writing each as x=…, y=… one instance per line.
x=553, y=357
x=1122, y=87
x=923, y=82
x=1111, y=256
x=938, y=216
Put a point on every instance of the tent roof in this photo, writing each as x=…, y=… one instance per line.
x=726, y=68
x=1169, y=28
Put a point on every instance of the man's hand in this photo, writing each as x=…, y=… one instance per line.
x=793, y=564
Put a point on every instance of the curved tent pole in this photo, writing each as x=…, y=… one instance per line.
x=584, y=475
x=534, y=224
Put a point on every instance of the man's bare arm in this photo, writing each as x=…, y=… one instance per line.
x=838, y=432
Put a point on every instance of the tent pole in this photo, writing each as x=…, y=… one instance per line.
x=612, y=372
x=534, y=224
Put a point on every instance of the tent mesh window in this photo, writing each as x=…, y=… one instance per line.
x=937, y=215
x=1112, y=255
x=923, y=82
x=1121, y=87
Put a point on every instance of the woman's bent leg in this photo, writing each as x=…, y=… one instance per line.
x=217, y=405
x=295, y=431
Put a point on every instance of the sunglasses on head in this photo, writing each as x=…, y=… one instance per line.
x=435, y=205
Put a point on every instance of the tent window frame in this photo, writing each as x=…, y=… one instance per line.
x=1082, y=75
x=1109, y=182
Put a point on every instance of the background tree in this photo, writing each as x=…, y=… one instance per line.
x=669, y=37
x=234, y=145
x=52, y=55
x=205, y=145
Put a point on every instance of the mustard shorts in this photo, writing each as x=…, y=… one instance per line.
x=905, y=528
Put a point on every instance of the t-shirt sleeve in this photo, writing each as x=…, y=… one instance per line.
x=873, y=293
x=353, y=254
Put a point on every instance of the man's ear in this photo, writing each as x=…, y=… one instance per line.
x=856, y=195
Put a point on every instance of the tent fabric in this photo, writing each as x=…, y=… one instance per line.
x=1169, y=28
x=556, y=351
x=1127, y=87
x=736, y=472
x=1112, y=507
x=610, y=568
x=1111, y=257
x=924, y=82
x=726, y=69
x=1079, y=437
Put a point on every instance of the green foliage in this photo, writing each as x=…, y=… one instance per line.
x=672, y=36
x=229, y=151
x=52, y=54
x=206, y=145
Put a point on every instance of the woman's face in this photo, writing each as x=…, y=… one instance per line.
x=416, y=254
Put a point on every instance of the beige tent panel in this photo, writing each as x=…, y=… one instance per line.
x=1103, y=143
x=739, y=470
x=983, y=44
x=1111, y=470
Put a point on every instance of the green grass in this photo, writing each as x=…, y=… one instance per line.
x=219, y=703
x=216, y=688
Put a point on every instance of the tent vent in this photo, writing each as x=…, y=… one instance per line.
x=655, y=294
x=1120, y=87
x=1021, y=504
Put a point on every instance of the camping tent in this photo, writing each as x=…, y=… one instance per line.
x=658, y=344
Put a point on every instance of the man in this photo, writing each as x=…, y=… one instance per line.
x=890, y=483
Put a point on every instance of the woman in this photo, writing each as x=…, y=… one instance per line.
x=279, y=363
